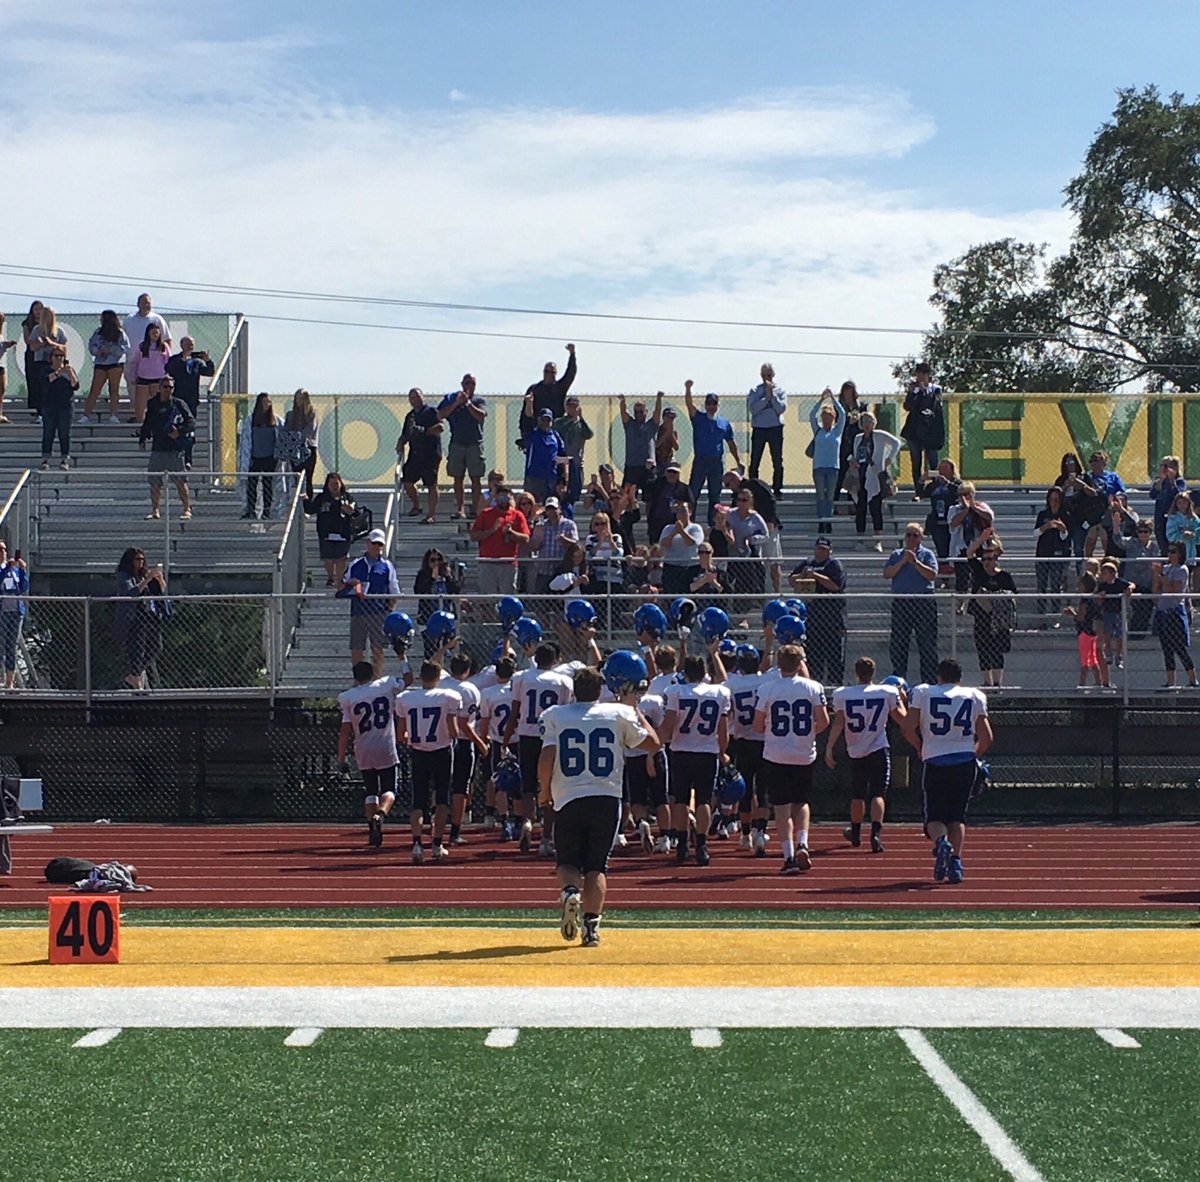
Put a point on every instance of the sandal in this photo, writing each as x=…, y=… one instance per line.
x=186, y=515
x=458, y=515
x=429, y=521
x=414, y=512
x=151, y=516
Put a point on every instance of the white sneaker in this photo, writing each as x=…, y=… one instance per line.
x=418, y=854
x=878, y=547
x=645, y=837
x=440, y=853
x=620, y=842
x=526, y=836
x=760, y=843
x=113, y=419
x=84, y=420
x=745, y=843
x=64, y=465
x=545, y=848
x=572, y=904
x=662, y=845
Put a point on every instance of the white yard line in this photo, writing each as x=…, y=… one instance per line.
x=1118, y=1038
x=502, y=1038
x=98, y=1038
x=999, y=1143
x=303, y=1036
x=614, y=1007
x=705, y=1039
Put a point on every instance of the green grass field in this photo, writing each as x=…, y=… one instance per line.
x=237, y=1105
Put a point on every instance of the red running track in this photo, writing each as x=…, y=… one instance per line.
x=331, y=866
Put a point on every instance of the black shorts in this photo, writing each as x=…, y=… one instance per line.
x=782, y=784
x=430, y=771
x=464, y=766
x=105, y=368
x=692, y=772
x=946, y=789
x=584, y=832
x=747, y=758
x=379, y=781
x=421, y=471
x=871, y=775
x=529, y=751
x=645, y=790
x=636, y=474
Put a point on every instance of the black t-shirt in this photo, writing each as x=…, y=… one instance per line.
x=1109, y=595
x=1050, y=544
x=421, y=447
x=826, y=605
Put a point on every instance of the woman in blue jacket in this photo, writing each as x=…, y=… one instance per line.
x=14, y=586
x=828, y=422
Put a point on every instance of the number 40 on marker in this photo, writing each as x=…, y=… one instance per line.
x=85, y=929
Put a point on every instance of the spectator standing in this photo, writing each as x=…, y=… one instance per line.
x=526, y=557
x=499, y=531
x=45, y=339
x=35, y=372
x=548, y=394
x=257, y=455
x=574, y=432
x=1086, y=615
x=942, y=493
x=992, y=606
x=167, y=424
x=1053, y=544
x=1166, y=487
x=333, y=508
x=58, y=409
x=1116, y=527
x=1171, y=614
x=641, y=432
x=14, y=587
x=571, y=577
x=605, y=552
x=848, y=400
x=1077, y=495
x=1140, y=552
x=186, y=368
x=924, y=427
x=968, y=520
x=436, y=586
x=710, y=435
x=4, y=348
x=1112, y=593
x=708, y=581
x=660, y=500
x=912, y=570
x=466, y=413
x=765, y=407
x=822, y=580
x=765, y=507
x=1184, y=526
x=874, y=453
x=137, y=623
x=603, y=495
x=421, y=439
x=150, y=367
x=135, y=329
x=549, y=538
x=371, y=586
x=545, y=454
x=747, y=534
x=828, y=424
x=109, y=347
x=678, y=544
x=666, y=442
x=298, y=440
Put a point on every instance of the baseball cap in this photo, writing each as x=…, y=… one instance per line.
x=675, y=466
x=552, y=503
x=668, y=411
x=377, y=535
x=711, y=397
x=545, y=413
x=606, y=467
x=826, y=541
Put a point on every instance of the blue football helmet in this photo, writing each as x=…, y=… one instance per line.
x=398, y=626
x=790, y=630
x=898, y=682
x=497, y=653
x=774, y=610
x=682, y=611
x=650, y=619
x=580, y=613
x=527, y=631
x=797, y=608
x=441, y=626
x=727, y=647
x=507, y=775
x=713, y=622
x=510, y=609
x=625, y=672
x=731, y=786
x=748, y=650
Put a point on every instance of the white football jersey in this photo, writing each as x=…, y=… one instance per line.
x=370, y=711
x=469, y=694
x=485, y=678
x=427, y=713
x=589, y=740
x=658, y=683
x=536, y=690
x=495, y=706
x=653, y=711
x=743, y=688
x=698, y=707
x=948, y=717
x=866, y=709
x=790, y=704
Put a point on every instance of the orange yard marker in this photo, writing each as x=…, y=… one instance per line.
x=85, y=929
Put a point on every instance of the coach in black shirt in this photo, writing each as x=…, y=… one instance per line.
x=822, y=580
x=550, y=392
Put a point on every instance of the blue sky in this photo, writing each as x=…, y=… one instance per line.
x=758, y=161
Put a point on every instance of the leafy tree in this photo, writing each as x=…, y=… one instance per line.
x=1122, y=306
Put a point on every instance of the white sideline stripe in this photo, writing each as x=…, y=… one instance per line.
x=611, y=1007
x=705, y=1039
x=502, y=1038
x=999, y=1144
x=98, y=1038
x=303, y=1036
x=1118, y=1038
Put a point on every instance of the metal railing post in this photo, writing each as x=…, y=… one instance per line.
x=87, y=652
x=1125, y=650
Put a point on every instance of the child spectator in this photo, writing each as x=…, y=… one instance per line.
x=1112, y=592
x=1085, y=614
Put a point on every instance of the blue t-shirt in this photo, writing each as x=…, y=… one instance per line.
x=379, y=578
x=464, y=427
x=908, y=580
x=709, y=435
x=541, y=449
x=1108, y=482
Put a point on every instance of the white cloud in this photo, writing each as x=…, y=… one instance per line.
x=220, y=169
x=457, y=96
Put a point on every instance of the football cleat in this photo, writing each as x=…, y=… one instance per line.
x=591, y=933
x=645, y=837
x=760, y=843
x=745, y=842
x=375, y=830
x=440, y=852
x=703, y=857
x=418, y=854
x=526, y=836
x=876, y=844
x=943, y=851
x=571, y=902
x=803, y=858
x=852, y=835
x=663, y=844
x=954, y=871
x=545, y=848
x=789, y=866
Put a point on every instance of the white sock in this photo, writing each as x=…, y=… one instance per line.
x=802, y=838
x=789, y=850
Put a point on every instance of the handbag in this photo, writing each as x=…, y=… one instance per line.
x=811, y=449
x=887, y=486
x=361, y=523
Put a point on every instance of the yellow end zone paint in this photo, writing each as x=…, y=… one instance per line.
x=536, y=956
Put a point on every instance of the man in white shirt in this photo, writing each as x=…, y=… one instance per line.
x=790, y=714
x=135, y=326
x=370, y=722
x=429, y=722
x=580, y=772
x=861, y=712
x=948, y=725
